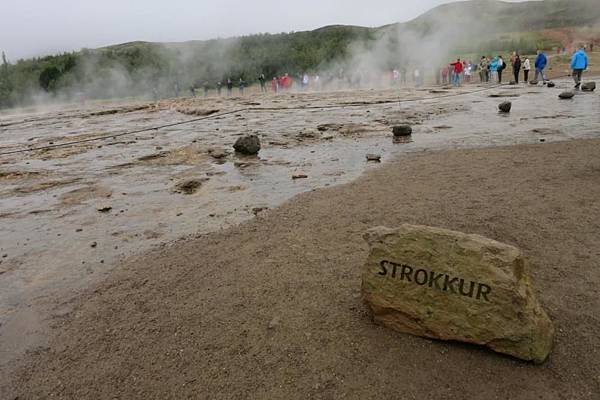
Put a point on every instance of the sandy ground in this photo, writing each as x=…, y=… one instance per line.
x=272, y=308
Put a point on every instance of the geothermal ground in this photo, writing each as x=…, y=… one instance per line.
x=160, y=264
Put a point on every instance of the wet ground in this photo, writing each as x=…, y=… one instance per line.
x=69, y=214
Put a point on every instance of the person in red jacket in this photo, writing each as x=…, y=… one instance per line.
x=458, y=70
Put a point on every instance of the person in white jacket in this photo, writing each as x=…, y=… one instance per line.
x=526, y=68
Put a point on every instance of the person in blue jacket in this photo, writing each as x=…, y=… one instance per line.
x=541, y=62
x=579, y=63
x=494, y=69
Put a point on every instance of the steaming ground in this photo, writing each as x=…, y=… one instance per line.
x=159, y=186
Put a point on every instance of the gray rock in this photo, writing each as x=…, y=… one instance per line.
x=566, y=95
x=402, y=130
x=505, y=106
x=588, y=86
x=374, y=157
x=249, y=145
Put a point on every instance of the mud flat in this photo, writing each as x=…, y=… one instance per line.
x=271, y=308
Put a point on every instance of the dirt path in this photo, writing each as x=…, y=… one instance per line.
x=271, y=309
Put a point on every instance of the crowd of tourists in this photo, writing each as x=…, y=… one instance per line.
x=278, y=84
x=492, y=69
x=488, y=69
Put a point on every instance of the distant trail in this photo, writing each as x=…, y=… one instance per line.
x=247, y=109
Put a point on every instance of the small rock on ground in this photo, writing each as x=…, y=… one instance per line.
x=588, y=86
x=249, y=145
x=505, y=106
x=566, y=95
x=402, y=130
x=104, y=208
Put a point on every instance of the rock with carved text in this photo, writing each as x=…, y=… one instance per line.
x=448, y=285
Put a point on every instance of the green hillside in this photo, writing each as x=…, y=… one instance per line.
x=142, y=68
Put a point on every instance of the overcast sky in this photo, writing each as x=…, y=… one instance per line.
x=38, y=27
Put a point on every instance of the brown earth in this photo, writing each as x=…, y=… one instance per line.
x=271, y=309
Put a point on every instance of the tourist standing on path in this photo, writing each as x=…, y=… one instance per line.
x=457, y=72
x=579, y=63
x=501, y=67
x=241, y=86
x=229, y=86
x=416, y=74
x=219, y=87
x=483, y=70
x=403, y=75
x=445, y=75
x=526, y=69
x=305, y=81
x=262, y=80
x=516, y=67
x=541, y=62
x=494, y=69
x=467, y=68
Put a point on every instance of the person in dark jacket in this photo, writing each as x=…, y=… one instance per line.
x=263, y=86
x=501, y=67
x=516, y=67
x=229, y=86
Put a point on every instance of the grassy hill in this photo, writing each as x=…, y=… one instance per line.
x=477, y=26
